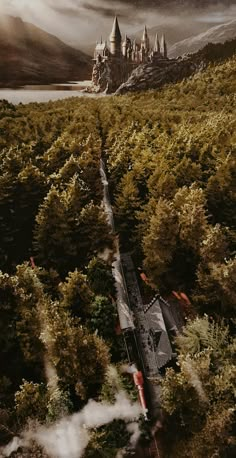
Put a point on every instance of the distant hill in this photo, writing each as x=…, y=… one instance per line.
x=29, y=55
x=155, y=76
x=175, y=32
x=217, y=34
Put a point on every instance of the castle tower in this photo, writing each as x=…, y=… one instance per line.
x=156, y=45
x=124, y=47
x=145, y=40
x=163, y=47
x=115, y=39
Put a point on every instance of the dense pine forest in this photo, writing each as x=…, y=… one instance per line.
x=171, y=162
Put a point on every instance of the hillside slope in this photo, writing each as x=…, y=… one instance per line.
x=175, y=32
x=31, y=55
x=150, y=76
x=217, y=34
x=170, y=158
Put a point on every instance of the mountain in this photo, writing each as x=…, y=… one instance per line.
x=179, y=5
x=217, y=34
x=174, y=31
x=155, y=76
x=29, y=55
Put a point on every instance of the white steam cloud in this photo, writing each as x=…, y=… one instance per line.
x=69, y=437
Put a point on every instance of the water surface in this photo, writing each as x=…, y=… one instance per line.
x=45, y=93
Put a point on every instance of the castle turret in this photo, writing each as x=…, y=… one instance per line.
x=145, y=40
x=101, y=52
x=124, y=47
x=163, y=46
x=156, y=44
x=115, y=39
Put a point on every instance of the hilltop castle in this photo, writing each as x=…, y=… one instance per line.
x=114, y=63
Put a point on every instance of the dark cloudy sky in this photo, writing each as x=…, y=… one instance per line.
x=81, y=21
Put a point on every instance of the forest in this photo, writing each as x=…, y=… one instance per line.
x=171, y=162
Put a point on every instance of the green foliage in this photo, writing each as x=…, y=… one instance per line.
x=190, y=204
x=181, y=158
x=29, y=326
x=31, y=401
x=100, y=277
x=103, y=318
x=91, y=232
x=108, y=440
x=171, y=165
x=79, y=357
x=41, y=402
x=160, y=239
x=221, y=191
x=11, y=358
x=59, y=404
x=127, y=203
x=66, y=233
x=53, y=233
x=202, y=334
x=203, y=387
x=76, y=295
x=22, y=186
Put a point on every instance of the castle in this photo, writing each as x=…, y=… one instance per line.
x=114, y=63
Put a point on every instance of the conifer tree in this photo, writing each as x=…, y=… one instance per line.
x=160, y=239
x=76, y=295
x=12, y=363
x=126, y=204
x=100, y=277
x=89, y=164
x=53, y=243
x=190, y=204
x=103, y=318
x=79, y=357
x=69, y=169
x=91, y=233
x=29, y=324
x=221, y=191
x=58, y=153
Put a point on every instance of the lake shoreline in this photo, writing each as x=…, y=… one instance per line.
x=47, y=92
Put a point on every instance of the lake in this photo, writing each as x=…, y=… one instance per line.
x=44, y=93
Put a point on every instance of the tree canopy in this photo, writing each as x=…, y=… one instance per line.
x=170, y=159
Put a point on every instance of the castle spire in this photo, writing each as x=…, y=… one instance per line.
x=163, y=46
x=145, y=34
x=124, y=46
x=157, y=44
x=145, y=40
x=115, y=38
x=115, y=33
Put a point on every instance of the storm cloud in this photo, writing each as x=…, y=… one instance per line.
x=80, y=22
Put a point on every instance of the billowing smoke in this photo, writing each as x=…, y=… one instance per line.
x=69, y=437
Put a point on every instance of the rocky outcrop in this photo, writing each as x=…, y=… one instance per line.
x=154, y=76
x=160, y=73
x=109, y=75
x=101, y=78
